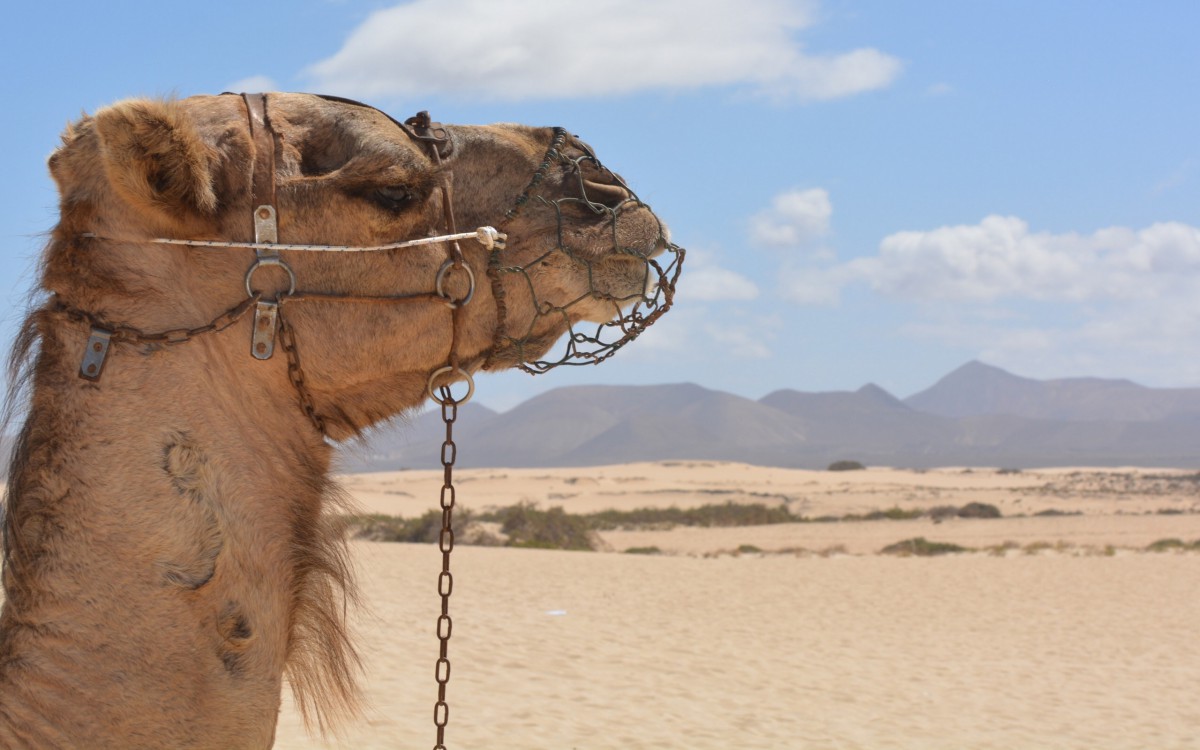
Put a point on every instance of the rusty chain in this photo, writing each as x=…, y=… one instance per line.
x=287, y=341
x=441, y=709
x=136, y=336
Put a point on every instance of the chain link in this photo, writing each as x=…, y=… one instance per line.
x=287, y=341
x=441, y=710
x=131, y=335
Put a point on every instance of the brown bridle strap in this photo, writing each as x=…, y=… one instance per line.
x=266, y=223
x=262, y=186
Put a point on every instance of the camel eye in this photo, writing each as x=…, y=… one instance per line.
x=393, y=197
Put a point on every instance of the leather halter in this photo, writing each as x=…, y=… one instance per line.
x=583, y=347
x=266, y=216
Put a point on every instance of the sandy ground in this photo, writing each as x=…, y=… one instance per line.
x=1084, y=647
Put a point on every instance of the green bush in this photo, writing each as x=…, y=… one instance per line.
x=894, y=513
x=921, y=547
x=726, y=515
x=1166, y=545
x=845, y=465
x=425, y=529
x=527, y=526
x=979, y=510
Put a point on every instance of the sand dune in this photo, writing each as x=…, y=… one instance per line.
x=1088, y=644
x=581, y=650
x=590, y=650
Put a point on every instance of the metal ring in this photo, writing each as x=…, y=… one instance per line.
x=443, y=371
x=271, y=261
x=441, y=277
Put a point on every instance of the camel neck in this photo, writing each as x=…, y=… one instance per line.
x=152, y=573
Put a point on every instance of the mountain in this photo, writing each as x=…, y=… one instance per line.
x=978, y=415
x=593, y=425
x=869, y=423
x=976, y=389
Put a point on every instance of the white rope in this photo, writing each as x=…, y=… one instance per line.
x=489, y=237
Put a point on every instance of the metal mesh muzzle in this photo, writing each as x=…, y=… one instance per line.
x=632, y=271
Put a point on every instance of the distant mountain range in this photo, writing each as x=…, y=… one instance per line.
x=978, y=415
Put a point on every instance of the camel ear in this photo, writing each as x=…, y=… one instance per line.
x=156, y=158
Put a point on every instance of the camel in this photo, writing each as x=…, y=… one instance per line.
x=172, y=545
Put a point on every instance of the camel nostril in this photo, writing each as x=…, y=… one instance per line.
x=606, y=194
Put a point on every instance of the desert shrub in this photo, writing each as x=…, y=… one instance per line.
x=1167, y=545
x=921, y=547
x=942, y=512
x=845, y=465
x=894, y=513
x=643, y=551
x=527, y=526
x=425, y=529
x=1002, y=550
x=1034, y=548
x=1009, y=471
x=1057, y=512
x=719, y=515
x=748, y=549
x=979, y=510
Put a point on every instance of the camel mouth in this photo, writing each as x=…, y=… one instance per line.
x=626, y=266
x=604, y=267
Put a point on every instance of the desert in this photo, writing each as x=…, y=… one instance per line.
x=1068, y=621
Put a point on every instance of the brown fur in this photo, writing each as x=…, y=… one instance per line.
x=172, y=542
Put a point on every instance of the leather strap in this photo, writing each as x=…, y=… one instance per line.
x=266, y=224
x=263, y=173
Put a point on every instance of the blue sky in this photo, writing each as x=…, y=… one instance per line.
x=869, y=191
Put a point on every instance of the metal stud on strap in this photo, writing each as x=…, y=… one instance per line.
x=266, y=227
x=266, y=319
x=95, y=354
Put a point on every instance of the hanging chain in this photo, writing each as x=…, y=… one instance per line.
x=441, y=710
x=287, y=341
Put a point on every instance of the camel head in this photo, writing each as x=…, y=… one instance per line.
x=583, y=254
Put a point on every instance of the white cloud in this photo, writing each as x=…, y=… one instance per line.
x=1000, y=258
x=1152, y=344
x=1041, y=303
x=718, y=284
x=794, y=218
x=705, y=281
x=253, y=85
x=545, y=49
